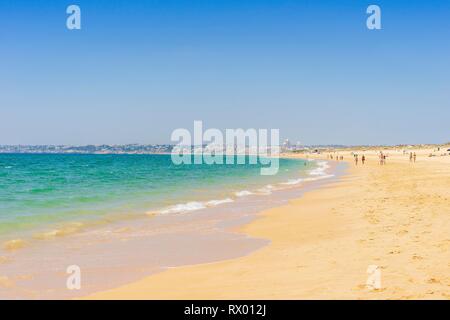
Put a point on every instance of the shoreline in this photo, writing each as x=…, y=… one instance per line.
x=391, y=216
x=210, y=233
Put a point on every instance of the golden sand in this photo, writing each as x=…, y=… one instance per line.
x=395, y=217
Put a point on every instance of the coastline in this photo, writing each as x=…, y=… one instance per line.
x=321, y=245
x=148, y=245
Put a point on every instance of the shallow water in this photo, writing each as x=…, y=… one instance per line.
x=38, y=190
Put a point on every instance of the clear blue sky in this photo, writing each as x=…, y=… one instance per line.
x=139, y=69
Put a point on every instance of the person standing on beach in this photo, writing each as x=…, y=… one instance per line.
x=356, y=159
x=363, y=159
x=414, y=156
x=410, y=157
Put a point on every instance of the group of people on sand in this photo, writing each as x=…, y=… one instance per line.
x=382, y=158
x=363, y=159
x=338, y=157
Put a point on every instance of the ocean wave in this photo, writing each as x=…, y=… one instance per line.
x=320, y=170
x=218, y=202
x=291, y=182
x=243, y=193
x=191, y=206
x=183, y=207
x=266, y=190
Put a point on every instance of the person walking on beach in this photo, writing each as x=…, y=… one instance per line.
x=356, y=159
x=410, y=157
x=363, y=159
x=414, y=156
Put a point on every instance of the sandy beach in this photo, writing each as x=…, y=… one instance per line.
x=394, y=217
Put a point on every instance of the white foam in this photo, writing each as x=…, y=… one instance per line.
x=191, y=206
x=219, y=202
x=266, y=190
x=291, y=182
x=243, y=193
x=184, y=207
x=317, y=173
x=320, y=170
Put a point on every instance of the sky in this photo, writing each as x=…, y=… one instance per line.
x=137, y=70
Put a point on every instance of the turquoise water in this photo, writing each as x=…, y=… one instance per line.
x=39, y=190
